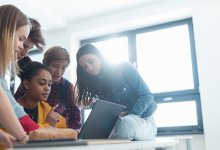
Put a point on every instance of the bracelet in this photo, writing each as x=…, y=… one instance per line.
x=22, y=138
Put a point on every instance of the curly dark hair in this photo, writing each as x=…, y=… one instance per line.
x=30, y=69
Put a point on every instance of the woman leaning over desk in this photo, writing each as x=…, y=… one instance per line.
x=122, y=84
x=14, y=30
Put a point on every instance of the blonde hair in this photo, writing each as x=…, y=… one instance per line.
x=11, y=18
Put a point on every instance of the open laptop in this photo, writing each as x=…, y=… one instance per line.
x=101, y=120
x=98, y=125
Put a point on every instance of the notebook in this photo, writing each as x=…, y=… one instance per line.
x=101, y=120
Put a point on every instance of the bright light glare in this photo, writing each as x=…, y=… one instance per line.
x=176, y=114
x=164, y=59
x=114, y=50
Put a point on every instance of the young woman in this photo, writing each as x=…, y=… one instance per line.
x=14, y=30
x=121, y=84
x=57, y=60
x=36, y=79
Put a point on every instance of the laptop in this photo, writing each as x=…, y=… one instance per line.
x=101, y=120
x=98, y=125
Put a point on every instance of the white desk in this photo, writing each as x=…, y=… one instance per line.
x=187, y=138
x=158, y=143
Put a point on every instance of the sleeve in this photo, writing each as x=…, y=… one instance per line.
x=19, y=111
x=25, y=120
x=75, y=113
x=28, y=124
x=138, y=85
x=75, y=121
x=43, y=109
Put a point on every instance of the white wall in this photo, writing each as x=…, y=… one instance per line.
x=207, y=31
x=206, y=19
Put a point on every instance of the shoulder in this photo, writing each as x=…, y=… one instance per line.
x=67, y=86
x=67, y=83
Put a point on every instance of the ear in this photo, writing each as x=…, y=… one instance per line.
x=26, y=84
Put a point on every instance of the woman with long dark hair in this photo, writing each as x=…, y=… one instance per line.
x=122, y=84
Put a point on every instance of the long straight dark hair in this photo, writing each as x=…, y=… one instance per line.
x=90, y=86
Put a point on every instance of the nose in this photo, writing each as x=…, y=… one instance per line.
x=59, y=70
x=25, y=52
x=89, y=67
x=21, y=46
x=47, y=88
x=22, y=53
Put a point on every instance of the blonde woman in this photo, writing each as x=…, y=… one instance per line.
x=14, y=30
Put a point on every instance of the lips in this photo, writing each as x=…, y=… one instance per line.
x=45, y=95
x=55, y=76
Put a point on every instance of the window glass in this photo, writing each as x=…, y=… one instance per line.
x=114, y=50
x=164, y=59
x=176, y=114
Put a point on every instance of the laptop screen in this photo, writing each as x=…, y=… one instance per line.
x=101, y=120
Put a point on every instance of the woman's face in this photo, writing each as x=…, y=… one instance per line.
x=57, y=69
x=40, y=85
x=90, y=63
x=21, y=35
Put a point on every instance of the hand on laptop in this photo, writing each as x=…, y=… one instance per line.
x=122, y=114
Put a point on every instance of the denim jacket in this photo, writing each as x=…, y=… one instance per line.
x=129, y=89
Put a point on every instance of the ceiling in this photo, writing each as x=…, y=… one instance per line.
x=56, y=14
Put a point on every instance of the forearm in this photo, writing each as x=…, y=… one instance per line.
x=8, y=117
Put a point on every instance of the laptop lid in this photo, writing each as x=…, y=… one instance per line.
x=101, y=120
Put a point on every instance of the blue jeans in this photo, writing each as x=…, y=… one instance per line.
x=135, y=128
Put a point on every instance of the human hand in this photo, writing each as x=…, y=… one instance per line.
x=6, y=139
x=122, y=114
x=53, y=117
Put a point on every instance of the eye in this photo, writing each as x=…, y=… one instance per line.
x=91, y=61
x=41, y=83
x=22, y=38
x=55, y=66
x=64, y=68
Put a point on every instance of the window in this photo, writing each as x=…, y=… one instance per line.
x=165, y=57
x=111, y=47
